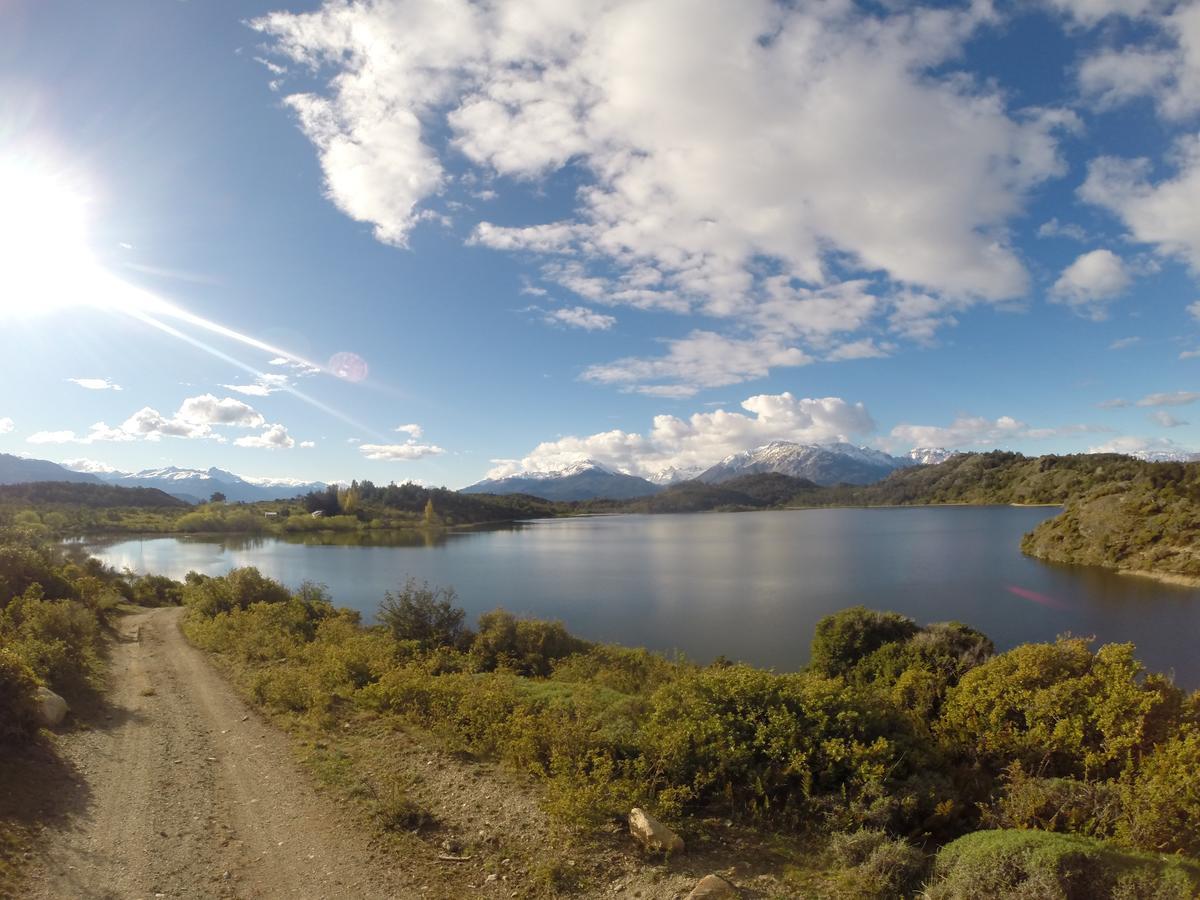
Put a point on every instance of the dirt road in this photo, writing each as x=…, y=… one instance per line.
x=190, y=794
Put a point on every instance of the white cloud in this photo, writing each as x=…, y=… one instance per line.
x=866, y=348
x=92, y=466
x=1172, y=398
x=979, y=432
x=298, y=366
x=1115, y=403
x=703, y=359
x=1166, y=69
x=96, y=384
x=409, y=450
x=703, y=438
x=1091, y=282
x=263, y=385
x=1124, y=343
x=195, y=418
x=412, y=430
x=1194, y=310
x=1091, y=12
x=738, y=153
x=274, y=437
x=1165, y=419
x=1131, y=444
x=577, y=317
x=1165, y=214
x=6, y=425
x=307, y=445
x=1054, y=228
x=208, y=410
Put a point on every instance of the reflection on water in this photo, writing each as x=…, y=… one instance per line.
x=750, y=586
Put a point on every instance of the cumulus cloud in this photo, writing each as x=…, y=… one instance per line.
x=1165, y=68
x=1165, y=214
x=701, y=439
x=1091, y=282
x=307, y=445
x=407, y=451
x=6, y=425
x=1054, y=228
x=979, y=432
x=95, y=384
x=412, y=430
x=195, y=418
x=273, y=437
x=729, y=157
x=1133, y=445
x=91, y=466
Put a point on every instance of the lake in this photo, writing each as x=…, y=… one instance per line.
x=749, y=585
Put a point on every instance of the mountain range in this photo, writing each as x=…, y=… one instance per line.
x=823, y=464
x=192, y=485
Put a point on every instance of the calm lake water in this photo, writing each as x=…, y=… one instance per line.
x=750, y=586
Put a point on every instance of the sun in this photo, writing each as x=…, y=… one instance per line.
x=45, y=259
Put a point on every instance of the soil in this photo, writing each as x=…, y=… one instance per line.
x=168, y=785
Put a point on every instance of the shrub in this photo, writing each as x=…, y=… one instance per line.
x=157, y=590
x=18, y=703
x=58, y=639
x=1059, y=709
x=1041, y=865
x=209, y=595
x=425, y=615
x=527, y=646
x=1163, y=802
x=1091, y=808
x=761, y=744
x=628, y=671
x=841, y=640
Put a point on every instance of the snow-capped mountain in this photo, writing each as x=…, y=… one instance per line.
x=674, y=475
x=931, y=456
x=822, y=463
x=1165, y=456
x=19, y=470
x=196, y=485
x=584, y=480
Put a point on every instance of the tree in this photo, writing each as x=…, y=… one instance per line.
x=424, y=614
x=430, y=515
x=217, y=497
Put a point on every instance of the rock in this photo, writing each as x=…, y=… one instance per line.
x=51, y=708
x=653, y=834
x=713, y=887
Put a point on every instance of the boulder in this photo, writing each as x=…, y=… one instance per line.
x=51, y=708
x=653, y=834
x=713, y=887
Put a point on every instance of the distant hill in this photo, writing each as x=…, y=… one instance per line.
x=85, y=494
x=18, y=470
x=197, y=485
x=824, y=464
x=585, y=480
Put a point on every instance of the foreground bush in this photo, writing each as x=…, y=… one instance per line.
x=1061, y=710
x=1040, y=865
x=1163, y=806
x=18, y=692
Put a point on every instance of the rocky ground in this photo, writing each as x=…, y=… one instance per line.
x=170, y=786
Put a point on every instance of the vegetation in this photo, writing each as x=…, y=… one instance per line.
x=1062, y=765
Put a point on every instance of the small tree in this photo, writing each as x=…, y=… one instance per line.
x=217, y=497
x=430, y=515
x=424, y=614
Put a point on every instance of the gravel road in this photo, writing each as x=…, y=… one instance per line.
x=188, y=793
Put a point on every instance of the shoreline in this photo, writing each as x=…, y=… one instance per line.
x=1192, y=581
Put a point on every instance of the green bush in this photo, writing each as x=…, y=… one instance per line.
x=1091, y=808
x=209, y=595
x=18, y=699
x=1042, y=865
x=58, y=639
x=1163, y=801
x=527, y=646
x=843, y=639
x=622, y=669
x=157, y=590
x=1059, y=709
x=755, y=743
x=426, y=615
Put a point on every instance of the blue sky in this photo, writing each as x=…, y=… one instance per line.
x=652, y=233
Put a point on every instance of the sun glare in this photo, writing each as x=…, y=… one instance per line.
x=45, y=262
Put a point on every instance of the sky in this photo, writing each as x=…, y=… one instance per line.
x=437, y=239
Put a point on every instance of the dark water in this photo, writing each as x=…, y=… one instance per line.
x=750, y=586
